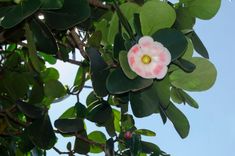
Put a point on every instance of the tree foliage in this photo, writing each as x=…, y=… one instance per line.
x=36, y=32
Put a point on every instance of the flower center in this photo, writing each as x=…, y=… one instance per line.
x=146, y=59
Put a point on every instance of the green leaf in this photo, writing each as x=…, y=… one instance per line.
x=100, y=113
x=48, y=58
x=162, y=88
x=95, y=39
x=30, y=110
x=203, y=9
x=189, y=51
x=146, y=102
x=186, y=65
x=148, y=147
x=128, y=9
x=118, y=45
x=81, y=146
x=202, y=78
x=99, y=72
x=54, y=89
x=173, y=40
x=117, y=78
x=43, y=37
x=91, y=98
x=155, y=15
x=145, y=132
x=50, y=74
x=184, y=20
x=69, y=125
x=41, y=133
x=80, y=77
x=69, y=113
x=20, y=12
x=181, y=96
x=117, y=119
x=37, y=93
x=135, y=144
x=198, y=45
x=125, y=65
x=97, y=137
x=81, y=110
x=52, y=4
x=72, y=13
x=178, y=119
x=127, y=122
x=13, y=87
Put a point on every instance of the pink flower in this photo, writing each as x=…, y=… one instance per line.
x=149, y=58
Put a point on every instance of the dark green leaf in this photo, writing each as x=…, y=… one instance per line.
x=178, y=119
x=100, y=113
x=184, y=20
x=95, y=39
x=81, y=110
x=80, y=77
x=30, y=110
x=69, y=125
x=81, y=146
x=37, y=93
x=117, y=79
x=145, y=102
x=19, y=12
x=186, y=65
x=41, y=133
x=43, y=37
x=118, y=45
x=173, y=40
x=198, y=45
x=148, y=147
x=50, y=74
x=109, y=148
x=99, y=72
x=52, y=4
x=72, y=13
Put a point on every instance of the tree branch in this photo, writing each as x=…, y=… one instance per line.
x=59, y=152
x=99, y=4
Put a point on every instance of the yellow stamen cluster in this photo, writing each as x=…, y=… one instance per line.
x=146, y=59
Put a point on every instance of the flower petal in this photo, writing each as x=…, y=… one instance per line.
x=146, y=41
x=160, y=71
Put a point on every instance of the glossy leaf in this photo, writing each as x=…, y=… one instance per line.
x=204, y=9
x=146, y=102
x=97, y=137
x=202, y=78
x=54, y=89
x=20, y=12
x=184, y=20
x=30, y=110
x=179, y=120
x=80, y=146
x=155, y=15
x=52, y=4
x=72, y=13
x=43, y=37
x=173, y=40
x=69, y=125
x=41, y=133
x=198, y=45
x=125, y=65
x=145, y=132
x=99, y=72
x=119, y=78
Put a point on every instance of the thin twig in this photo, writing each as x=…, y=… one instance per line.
x=59, y=152
x=78, y=42
x=102, y=146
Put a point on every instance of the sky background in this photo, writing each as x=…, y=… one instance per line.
x=212, y=130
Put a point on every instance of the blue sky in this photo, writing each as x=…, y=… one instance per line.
x=212, y=130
